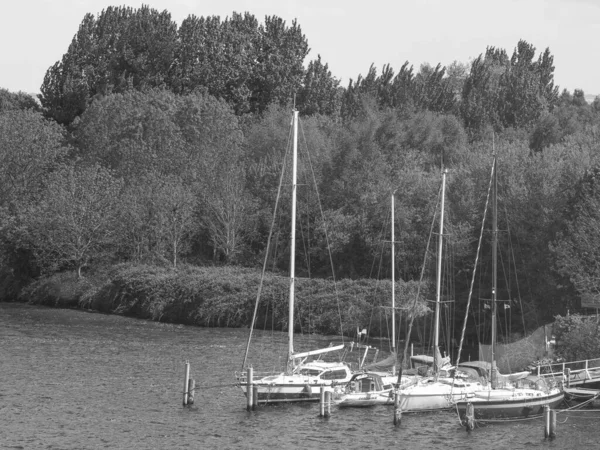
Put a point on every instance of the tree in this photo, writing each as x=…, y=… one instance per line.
x=481, y=92
x=216, y=171
x=320, y=92
x=74, y=223
x=575, y=247
x=121, y=49
x=279, y=64
x=20, y=100
x=527, y=87
x=133, y=132
x=432, y=90
x=226, y=206
x=30, y=148
x=246, y=64
x=456, y=74
x=577, y=337
x=156, y=219
x=218, y=56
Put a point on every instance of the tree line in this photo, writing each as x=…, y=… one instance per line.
x=158, y=144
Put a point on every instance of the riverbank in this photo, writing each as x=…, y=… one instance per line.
x=226, y=297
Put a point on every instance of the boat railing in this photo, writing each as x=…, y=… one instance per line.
x=242, y=377
x=571, y=371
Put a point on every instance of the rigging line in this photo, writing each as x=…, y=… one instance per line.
x=326, y=234
x=447, y=305
x=514, y=261
x=264, y=269
x=462, y=335
x=306, y=246
x=412, y=316
x=526, y=279
x=379, y=274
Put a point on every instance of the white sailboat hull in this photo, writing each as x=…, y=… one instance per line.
x=510, y=403
x=434, y=395
x=364, y=399
x=288, y=391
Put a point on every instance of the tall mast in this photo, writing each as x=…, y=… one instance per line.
x=438, y=292
x=393, y=290
x=494, y=267
x=293, y=244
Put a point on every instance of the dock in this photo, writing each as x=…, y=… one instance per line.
x=582, y=374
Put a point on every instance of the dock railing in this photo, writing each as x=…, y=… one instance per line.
x=572, y=372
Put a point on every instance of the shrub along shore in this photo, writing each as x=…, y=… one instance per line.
x=226, y=297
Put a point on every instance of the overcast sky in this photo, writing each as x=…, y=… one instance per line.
x=350, y=35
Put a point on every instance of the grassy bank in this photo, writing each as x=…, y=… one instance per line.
x=226, y=297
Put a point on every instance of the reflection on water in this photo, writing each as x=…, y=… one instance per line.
x=73, y=380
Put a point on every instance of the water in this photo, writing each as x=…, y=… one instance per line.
x=78, y=380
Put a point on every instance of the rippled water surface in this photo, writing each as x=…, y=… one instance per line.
x=78, y=380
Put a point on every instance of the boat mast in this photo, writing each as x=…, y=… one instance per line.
x=494, y=268
x=393, y=291
x=293, y=245
x=436, y=336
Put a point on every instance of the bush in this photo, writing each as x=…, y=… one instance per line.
x=226, y=297
x=577, y=337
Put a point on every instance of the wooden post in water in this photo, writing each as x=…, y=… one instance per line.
x=191, y=391
x=249, y=393
x=186, y=382
x=549, y=423
x=322, y=402
x=568, y=376
x=254, y=396
x=397, y=410
x=470, y=417
x=328, y=403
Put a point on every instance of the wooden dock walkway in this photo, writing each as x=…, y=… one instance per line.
x=584, y=373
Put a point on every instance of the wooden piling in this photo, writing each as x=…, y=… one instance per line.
x=249, y=393
x=254, y=396
x=191, y=391
x=397, y=410
x=470, y=417
x=322, y=402
x=568, y=376
x=328, y=403
x=549, y=423
x=186, y=382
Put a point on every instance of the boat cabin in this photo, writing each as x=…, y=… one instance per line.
x=321, y=370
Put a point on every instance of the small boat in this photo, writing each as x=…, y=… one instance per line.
x=512, y=397
x=526, y=400
x=576, y=394
x=303, y=385
x=364, y=389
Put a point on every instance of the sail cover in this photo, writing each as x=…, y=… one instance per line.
x=384, y=365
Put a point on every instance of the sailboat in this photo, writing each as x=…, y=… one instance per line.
x=375, y=385
x=447, y=384
x=504, y=398
x=303, y=379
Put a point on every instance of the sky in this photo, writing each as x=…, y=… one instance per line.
x=350, y=35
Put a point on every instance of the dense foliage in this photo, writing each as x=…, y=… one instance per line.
x=577, y=337
x=159, y=145
x=210, y=296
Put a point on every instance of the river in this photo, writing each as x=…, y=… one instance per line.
x=80, y=380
